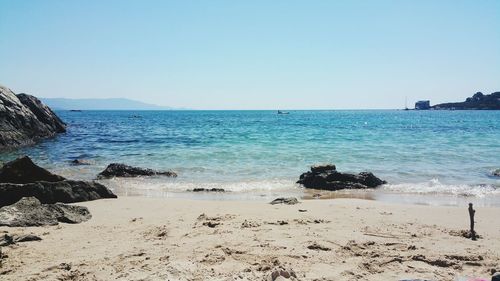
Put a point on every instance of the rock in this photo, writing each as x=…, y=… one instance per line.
x=27, y=238
x=23, y=170
x=496, y=173
x=286, y=201
x=25, y=120
x=6, y=240
x=316, y=246
x=23, y=178
x=328, y=178
x=122, y=170
x=208, y=190
x=323, y=168
x=79, y=162
x=30, y=212
x=66, y=191
x=282, y=274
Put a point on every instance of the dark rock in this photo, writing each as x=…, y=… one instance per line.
x=67, y=191
x=496, y=173
x=323, y=168
x=25, y=120
x=22, y=178
x=27, y=238
x=23, y=170
x=328, y=178
x=80, y=162
x=30, y=212
x=286, y=201
x=122, y=170
x=6, y=240
x=316, y=246
x=208, y=190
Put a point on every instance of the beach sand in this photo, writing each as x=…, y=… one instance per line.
x=137, y=238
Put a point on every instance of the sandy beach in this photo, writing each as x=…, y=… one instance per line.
x=137, y=238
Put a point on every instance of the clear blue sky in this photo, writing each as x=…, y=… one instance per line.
x=252, y=54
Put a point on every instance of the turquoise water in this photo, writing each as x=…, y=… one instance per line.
x=417, y=152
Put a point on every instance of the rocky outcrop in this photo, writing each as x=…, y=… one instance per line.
x=327, y=177
x=23, y=170
x=477, y=101
x=25, y=120
x=66, y=191
x=30, y=212
x=126, y=171
x=22, y=178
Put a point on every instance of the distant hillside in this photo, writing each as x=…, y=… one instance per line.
x=477, y=101
x=100, y=104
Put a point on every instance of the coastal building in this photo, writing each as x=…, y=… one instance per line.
x=423, y=105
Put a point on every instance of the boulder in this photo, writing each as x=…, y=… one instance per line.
x=66, y=191
x=23, y=170
x=326, y=177
x=496, y=173
x=25, y=120
x=122, y=170
x=23, y=178
x=30, y=212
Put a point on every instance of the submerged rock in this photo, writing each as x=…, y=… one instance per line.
x=326, y=177
x=122, y=170
x=25, y=120
x=23, y=178
x=80, y=162
x=496, y=173
x=30, y=212
x=23, y=170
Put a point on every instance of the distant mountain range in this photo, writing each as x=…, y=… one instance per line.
x=100, y=104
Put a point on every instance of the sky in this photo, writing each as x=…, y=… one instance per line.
x=252, y=54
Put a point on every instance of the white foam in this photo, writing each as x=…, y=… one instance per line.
x=434, y=186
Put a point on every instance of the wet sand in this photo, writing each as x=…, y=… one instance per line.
x=137, y=238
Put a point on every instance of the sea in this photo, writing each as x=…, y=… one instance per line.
x=427, y=157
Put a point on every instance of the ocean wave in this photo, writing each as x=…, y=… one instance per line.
x=434, y=186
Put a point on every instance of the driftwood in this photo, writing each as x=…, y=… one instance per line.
x=471, y=216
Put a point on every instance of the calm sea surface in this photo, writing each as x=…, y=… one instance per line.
x=446, y=154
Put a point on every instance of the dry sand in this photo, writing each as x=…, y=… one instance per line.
x=134, y=238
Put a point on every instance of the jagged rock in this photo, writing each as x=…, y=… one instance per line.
x=208, y=190
x=286, y=201
x=67, y=191
x=23, y=170
x=30, y=212
x=22, y=178
x=122, y=170
x=328, y=178
x=25, y=120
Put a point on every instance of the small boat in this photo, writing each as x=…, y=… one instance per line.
x=283, y=112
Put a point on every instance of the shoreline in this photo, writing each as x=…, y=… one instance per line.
x=136, y=238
